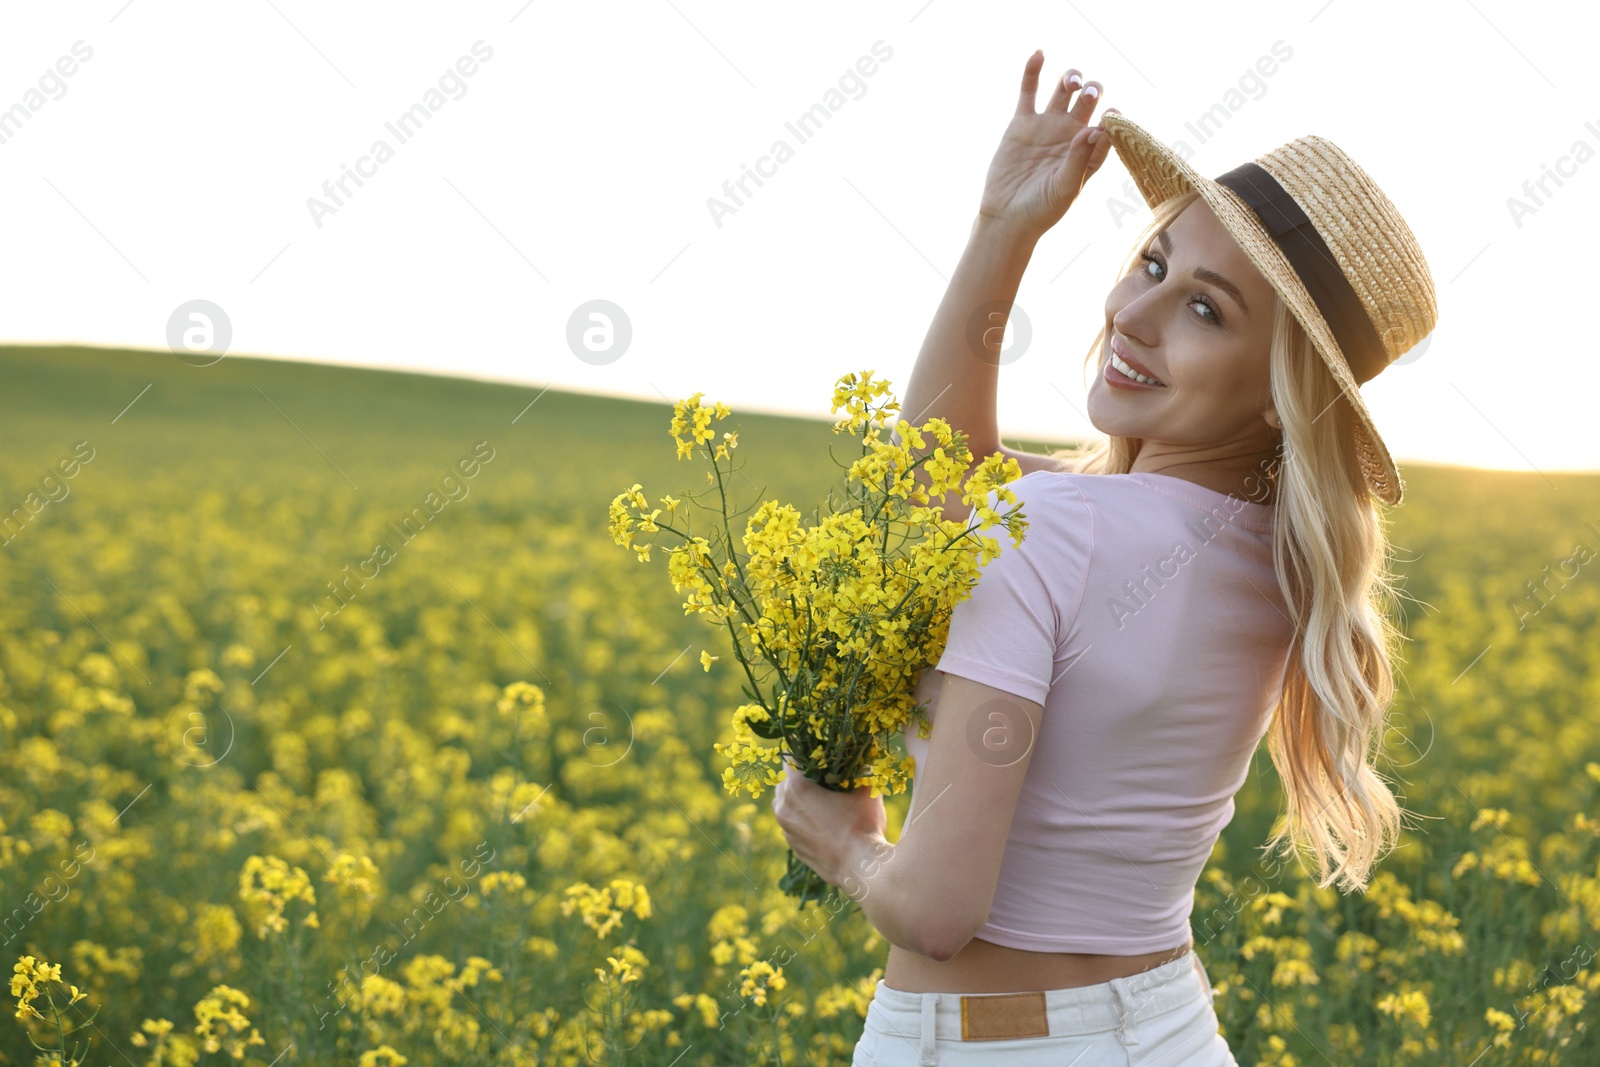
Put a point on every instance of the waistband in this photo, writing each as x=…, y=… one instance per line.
x=1116, y=1005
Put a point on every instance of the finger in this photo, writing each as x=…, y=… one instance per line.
x=1095, y=155
x=1102, y=148
x=1087, y=99
x=1030, y=83
x=1071, y=81
x=1080, y=148
x=1069, y=175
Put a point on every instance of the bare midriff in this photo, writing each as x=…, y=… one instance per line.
x=984, y=967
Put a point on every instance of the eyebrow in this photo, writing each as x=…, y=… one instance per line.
x=1206, y=274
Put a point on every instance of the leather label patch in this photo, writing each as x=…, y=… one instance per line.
x=998, y=1016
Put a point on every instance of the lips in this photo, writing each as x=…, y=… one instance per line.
x=1123, y=354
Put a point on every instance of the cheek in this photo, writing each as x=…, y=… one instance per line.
x=1250, y=365
x=1218, y=364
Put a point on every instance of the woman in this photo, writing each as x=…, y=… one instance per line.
x=1213, y=571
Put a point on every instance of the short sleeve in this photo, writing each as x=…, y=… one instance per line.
x=1006, y=632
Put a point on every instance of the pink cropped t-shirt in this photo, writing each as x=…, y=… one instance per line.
x=1143, y=613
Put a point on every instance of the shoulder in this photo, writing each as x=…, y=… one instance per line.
x=1060, y=512
x=1072, y=512
x=1107, y=499
x=1061, y=497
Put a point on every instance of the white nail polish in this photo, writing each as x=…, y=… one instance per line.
x=1091, y=90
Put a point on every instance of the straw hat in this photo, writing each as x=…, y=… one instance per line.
x=1333, y=246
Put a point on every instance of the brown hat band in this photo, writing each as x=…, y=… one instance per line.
x=1312, y=260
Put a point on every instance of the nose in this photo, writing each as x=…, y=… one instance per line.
x=1140, y=311
x=1132, y=321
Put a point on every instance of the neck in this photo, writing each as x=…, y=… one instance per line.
x=1246, y=476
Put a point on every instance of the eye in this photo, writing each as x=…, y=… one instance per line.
x=1215, y=318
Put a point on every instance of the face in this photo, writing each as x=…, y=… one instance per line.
x=1196, y=315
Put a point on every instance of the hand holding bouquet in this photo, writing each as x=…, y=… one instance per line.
x=832, y=623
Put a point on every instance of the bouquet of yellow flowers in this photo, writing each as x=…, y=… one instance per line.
x=830, y=623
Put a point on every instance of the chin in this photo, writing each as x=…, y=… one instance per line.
x=1108, y=425
x=1113, y=427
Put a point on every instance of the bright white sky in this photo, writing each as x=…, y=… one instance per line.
x=178, y=161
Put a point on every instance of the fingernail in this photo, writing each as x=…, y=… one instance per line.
x=1074, y=80
x=1091, y=90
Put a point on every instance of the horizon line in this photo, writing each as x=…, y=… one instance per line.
x=755, y=409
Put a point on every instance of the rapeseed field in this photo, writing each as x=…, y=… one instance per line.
x=334, y=729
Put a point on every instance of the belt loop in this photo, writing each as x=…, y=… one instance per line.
x=930, y=1007
x=1127, y=1013
x=1205, y=980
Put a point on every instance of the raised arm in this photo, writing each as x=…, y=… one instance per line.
x=1038, y=170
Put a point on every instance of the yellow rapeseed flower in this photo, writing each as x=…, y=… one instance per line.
x=602, y=909
x=267, y=884
x=705, y=1005
x=157, y=1028
x=220, y=1022
x=523, y=697
x=1495, y=817
x=353, y=874
x=757, y=978
x=510, y=881
x=843, y=610
x=1503, y=1024
x=627, y=966
x=30, y=977
x=1412, y=1005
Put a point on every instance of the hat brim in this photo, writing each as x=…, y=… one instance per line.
x=1159, y=173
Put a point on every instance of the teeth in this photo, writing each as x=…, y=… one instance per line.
x=1123, y=367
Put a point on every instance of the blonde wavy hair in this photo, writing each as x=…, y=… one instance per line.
x=1330, y=552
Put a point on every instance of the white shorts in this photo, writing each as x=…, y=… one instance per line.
x=1157, y=1017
